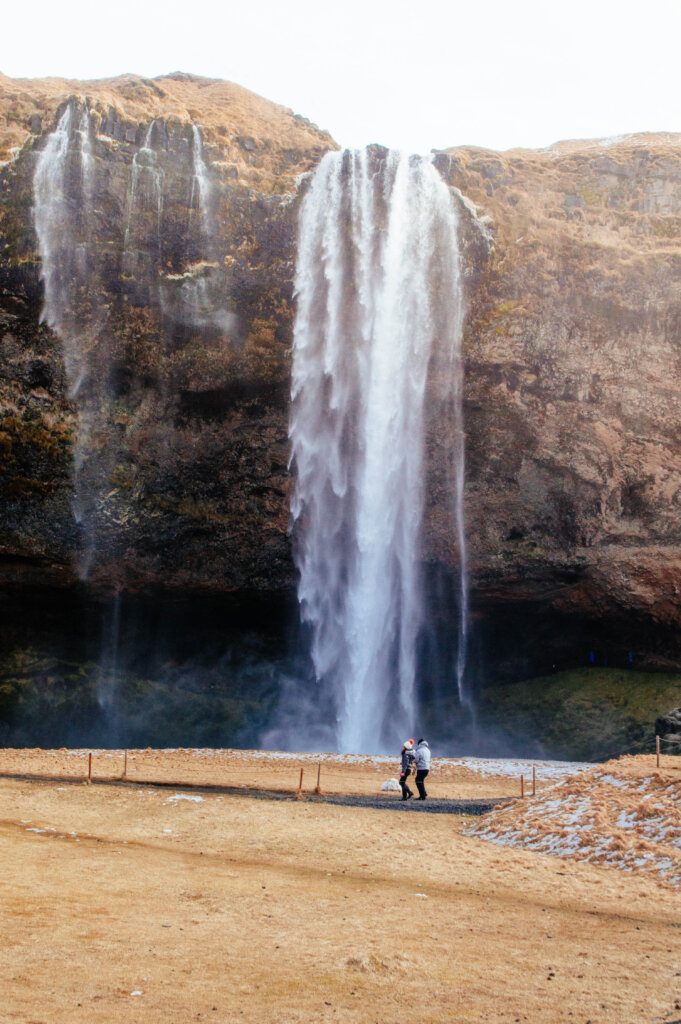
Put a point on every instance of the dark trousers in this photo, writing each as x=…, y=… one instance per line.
x=406, y=792
x=420, y=779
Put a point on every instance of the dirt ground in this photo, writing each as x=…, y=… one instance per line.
x=137, y=904
x=452, y=778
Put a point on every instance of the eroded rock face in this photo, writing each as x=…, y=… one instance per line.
x=573, y=404
x=160, y=456
x=572, y=342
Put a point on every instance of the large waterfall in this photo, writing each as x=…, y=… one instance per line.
x=378, y=329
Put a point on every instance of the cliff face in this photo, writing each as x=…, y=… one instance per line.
x=573, y=408
x=176, y=259
x=147, y=443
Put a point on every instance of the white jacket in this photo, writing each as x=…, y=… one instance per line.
x=423, y=757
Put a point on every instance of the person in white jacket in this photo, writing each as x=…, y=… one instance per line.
x=422, y=764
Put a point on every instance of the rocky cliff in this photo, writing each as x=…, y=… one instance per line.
x=572, y=346
x=573, y=406
x=175, y=309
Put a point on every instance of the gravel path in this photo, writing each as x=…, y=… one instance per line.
x=396, y=803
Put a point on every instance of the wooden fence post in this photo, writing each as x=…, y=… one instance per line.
x=657, y=750
x=534, y=780
x=89, y=767
x=522, y=788
x=125, y=765
x=318, y=787
x=299, y=794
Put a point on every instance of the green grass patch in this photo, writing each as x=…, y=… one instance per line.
x=584, y=714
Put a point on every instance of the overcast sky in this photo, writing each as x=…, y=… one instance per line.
x=419, y=75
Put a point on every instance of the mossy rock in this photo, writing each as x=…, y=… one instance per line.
x=585, y=714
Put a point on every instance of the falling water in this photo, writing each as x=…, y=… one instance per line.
x=201, y=184
x=87, y=160
x=51, y=214
x=145, y=199
x=379, y=302
x=108, y=681
x=194, y=298
x=63, y=190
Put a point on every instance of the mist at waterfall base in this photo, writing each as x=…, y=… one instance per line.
x=210, y=671
x=190, y=672
x=205, y=671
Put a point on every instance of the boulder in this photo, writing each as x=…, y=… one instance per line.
x=668, y=727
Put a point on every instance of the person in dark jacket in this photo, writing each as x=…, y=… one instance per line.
x=405, y=768
x=422, y=758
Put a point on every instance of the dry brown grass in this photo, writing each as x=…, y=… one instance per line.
x=236, y=909
x=450, y=778
x=283, y=144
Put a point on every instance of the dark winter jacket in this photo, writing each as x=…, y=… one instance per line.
x=407, y=760
x=423, y=757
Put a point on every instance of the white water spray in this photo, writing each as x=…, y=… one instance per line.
x=86, y=158
x=379, y=303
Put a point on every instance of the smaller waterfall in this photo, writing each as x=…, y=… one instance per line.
x=107, y=679
x=54, y=228
x=379, y=305
x=145, y=204
x=201, y=184
x=87, y=159
x=63, y=188
x=195, y=298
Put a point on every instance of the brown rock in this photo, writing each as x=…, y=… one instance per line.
x=572, y=340
x=572, y=403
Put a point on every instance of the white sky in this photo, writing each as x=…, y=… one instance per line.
x=414, y=75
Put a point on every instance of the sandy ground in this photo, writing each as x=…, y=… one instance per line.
x=136, y=904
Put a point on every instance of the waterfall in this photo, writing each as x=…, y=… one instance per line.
x=194, y=298
x=87, y=160
x=63, y=190
x=201, y=184
x=63, y=187
x=51, y=216
x=145, y=205
x=379, y=303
